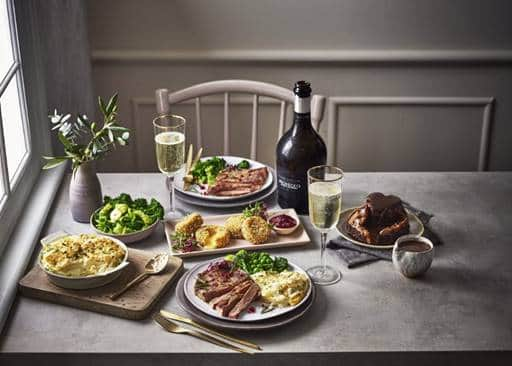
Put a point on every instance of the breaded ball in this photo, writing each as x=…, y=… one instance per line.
x=255, y=230
x=234, y=225
x=213, y=236
x=189, y=224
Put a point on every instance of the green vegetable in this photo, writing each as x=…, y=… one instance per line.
x=206, y=171
x=252, y=262
x=122, y=215
x=244, y=164
x=256, y=209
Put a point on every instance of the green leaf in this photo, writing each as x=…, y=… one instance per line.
x=110, y=135
x=101, y=104
x=111, y=104
x=119, y=128
x=121, y=141
x=52, y=163
x=125, y=136
x=64, y=140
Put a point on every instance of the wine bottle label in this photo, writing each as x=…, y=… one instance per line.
x=289, y=184
x=302, y=105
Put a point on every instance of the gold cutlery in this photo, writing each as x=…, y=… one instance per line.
x=169, y=315
x=175, y=328
x=154, y=266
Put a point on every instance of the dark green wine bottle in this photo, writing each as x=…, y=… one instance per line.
x=299, y=149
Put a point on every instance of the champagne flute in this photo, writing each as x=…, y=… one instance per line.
x=170, y=150
x=324, y=197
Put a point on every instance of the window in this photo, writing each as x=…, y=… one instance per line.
x=14, y=132
x=23, y=112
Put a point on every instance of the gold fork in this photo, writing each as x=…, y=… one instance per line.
x=168, y=315
x=175, y=328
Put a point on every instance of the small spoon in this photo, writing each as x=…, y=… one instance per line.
x=154, y=266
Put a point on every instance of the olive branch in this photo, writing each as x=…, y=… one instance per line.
x=85, y=140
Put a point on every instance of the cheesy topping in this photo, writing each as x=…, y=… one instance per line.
x=282, y=289
x=81, y=255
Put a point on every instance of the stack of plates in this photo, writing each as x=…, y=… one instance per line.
x=198, y=199
x=256, y=320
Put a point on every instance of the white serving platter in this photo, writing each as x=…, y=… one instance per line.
x=231, y=160
x=246, y=316
x=298, y=237
x=415, y=227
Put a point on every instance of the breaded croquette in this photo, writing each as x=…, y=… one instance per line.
x=189, y=224
x=234, y=225
x=255, y=230
x=213, y=236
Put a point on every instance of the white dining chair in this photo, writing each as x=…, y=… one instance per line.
x=164, y=101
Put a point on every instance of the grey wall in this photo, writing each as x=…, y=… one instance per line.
x=65, y=55
x=415, y=85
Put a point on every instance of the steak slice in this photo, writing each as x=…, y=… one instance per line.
x=217, y=281
x=226, y=302
x=252, y=293
x=235, y=182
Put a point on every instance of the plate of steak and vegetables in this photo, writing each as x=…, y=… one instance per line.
x=247, y=287
x=223, y=178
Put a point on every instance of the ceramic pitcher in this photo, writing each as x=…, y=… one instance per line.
x=84, y=192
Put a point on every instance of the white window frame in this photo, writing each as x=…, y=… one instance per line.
x=17, y=192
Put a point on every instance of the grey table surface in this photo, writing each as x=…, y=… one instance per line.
x=464, y=303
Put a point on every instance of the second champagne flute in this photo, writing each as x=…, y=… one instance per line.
x=170, y=150
x=324, y=195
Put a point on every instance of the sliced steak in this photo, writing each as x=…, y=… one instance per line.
x=252, y=293
x=235, y=182
x=226, y=302
x=217, y=281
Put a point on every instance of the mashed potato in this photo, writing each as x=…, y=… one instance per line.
x=81, y=255
x=282, y=289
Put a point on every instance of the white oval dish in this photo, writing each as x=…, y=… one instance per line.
x=257, y=315
x=85, y=282
x=231, y=160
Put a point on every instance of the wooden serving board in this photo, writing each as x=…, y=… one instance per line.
x=298, y=237
x=135, y=304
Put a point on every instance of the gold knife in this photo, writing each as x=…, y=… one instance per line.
x=175, y=328
x=179, y=318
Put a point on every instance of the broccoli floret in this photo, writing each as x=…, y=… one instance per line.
x=244, y=164
x=118, y=211
x=106, y=210
x=140, y=203
x=145, y=218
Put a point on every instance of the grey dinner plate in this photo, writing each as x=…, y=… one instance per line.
x=233, y=203
x=279, y=321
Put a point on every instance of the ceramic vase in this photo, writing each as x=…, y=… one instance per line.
x=84, y=192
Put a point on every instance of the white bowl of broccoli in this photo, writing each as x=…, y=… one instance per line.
x=129, y=220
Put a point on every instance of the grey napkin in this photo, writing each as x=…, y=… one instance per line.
x=354, y=255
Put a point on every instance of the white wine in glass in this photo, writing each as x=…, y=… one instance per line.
x=324, y=204
x=324, y=201
x=170, y=150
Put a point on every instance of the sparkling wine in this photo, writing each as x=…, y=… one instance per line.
x=170, y=151
x=324, y=204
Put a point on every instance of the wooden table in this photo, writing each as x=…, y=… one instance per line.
x=461, y=311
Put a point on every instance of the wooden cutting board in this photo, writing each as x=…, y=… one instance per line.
x=136, y=303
